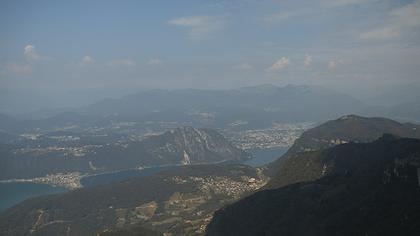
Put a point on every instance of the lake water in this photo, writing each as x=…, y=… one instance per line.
x=264, y=156
x=13, y=193
x=260, y=157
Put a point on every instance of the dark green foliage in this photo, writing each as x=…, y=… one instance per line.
x=88, y=211
x=202, y=146
x=368, y=189
x=296, y=166
x=134, y=231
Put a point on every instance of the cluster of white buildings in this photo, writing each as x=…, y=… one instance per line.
x=279, y=135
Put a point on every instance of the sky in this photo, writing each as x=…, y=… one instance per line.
x=58, y=54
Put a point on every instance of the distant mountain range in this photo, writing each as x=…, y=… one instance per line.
x=181, y=146
x=358, y=189
x=282, y=103
x=255, y=106
x=408, y=93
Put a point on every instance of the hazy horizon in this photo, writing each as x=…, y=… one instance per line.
x=70, y=54
x=209, y=117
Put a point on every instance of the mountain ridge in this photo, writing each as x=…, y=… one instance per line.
x=364, y=189
x=349, y=128
x=263, y=105
x=199, y=146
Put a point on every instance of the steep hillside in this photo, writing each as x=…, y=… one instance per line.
x=350, y=128
x=181, y=146
x=131, y=231
x=362, y=189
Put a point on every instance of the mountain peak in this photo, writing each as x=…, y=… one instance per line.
x=199, y=145
x=260, y=88
x=351, y=117
x=349, y=128
x=337, y=196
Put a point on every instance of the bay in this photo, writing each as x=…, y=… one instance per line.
x=262, y=157
x=14, y=193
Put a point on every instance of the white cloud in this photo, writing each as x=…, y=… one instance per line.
x=282, y=16
x=400, y=20
x=243, y=66
x=199, y=26
x=190, y=21
x=30, y=54
x=87, y=60
x=308, y=60
x=18, y=69
x=154, y=61
x=333, y=64
x=280, y=64
x=380, y=34
x=336, y=3
x=24, y=68
x=122, y=62
x=408, y=15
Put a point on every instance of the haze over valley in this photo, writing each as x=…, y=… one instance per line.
x=210, y=117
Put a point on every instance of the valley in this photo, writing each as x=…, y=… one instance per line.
x=87, y=153
x=262, y=145
x=210, y=118
x=182, y=199
x=174, y=201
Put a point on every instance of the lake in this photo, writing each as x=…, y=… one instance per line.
x=13, y=193
x=260, y=157
x=264, y=156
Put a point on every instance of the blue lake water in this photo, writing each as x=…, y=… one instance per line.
x=264, y=156
x=13, y=193
x=260, y=157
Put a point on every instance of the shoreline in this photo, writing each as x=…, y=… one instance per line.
x=72, y=180
x=69, y=181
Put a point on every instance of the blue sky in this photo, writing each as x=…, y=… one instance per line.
x=80, y=51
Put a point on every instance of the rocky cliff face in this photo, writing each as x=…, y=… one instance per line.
x=200, y=146
x=181, y=146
